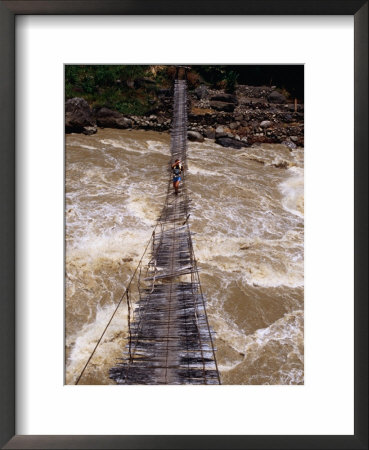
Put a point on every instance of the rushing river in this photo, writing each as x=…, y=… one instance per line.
x=248, y=216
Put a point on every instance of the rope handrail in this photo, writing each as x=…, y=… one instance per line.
x=172, y=317
x=170, y=339
x=115, y=310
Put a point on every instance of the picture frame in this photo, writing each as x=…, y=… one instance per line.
x=8, y=12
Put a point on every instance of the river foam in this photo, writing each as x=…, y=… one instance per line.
x=247, y=217
x=293, y=192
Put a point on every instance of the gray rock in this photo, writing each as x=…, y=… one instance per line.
x=230, y=142
x=281, y=164
x=210, y=133
x=227, y=98
x=277, y=97
x=219, y=132
x=234, y=125
x=89, y=130
x=294, y=138
x=123, y=122
x=222, y=106
x=266, y=124
x=108, y=118
x=195, y=136
x=78, y=115
x=291, y=145
x=201, y=92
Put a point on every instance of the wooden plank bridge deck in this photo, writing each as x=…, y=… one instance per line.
x=170, y=340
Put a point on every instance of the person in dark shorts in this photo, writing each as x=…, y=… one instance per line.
x=177, y=170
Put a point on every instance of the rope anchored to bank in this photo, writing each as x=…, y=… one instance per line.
x=170, y=340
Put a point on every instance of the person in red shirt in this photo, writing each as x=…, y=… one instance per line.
x=177, y=170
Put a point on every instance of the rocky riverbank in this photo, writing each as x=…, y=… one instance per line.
x=253, y=114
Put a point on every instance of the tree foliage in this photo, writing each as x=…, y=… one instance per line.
x=132, y=89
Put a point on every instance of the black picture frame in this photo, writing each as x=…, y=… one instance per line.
x=8, y=12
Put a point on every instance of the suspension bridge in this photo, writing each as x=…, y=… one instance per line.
x=169, y=340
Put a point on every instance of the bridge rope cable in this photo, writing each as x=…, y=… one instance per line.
x=198, y=324
x=204, y=308
x=143, y=309
x=125, y=293
x=169, y=214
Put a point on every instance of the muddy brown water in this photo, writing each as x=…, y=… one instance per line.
x=248, y=216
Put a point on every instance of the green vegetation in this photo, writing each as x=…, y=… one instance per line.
x=231, y=81
x=221, y=77
x=126, y=89
x=133, y=89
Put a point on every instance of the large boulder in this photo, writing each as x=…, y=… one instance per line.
x=89, y=130
x=108, y=118
x=276, y=97
x=280, y=164
x=291, y=145
x=210, y=133
x=79, y=117
x=220, y=132
x=201, y=92
x=230, y=142
x=222, y=106
x=227, y=98
x=195, y=136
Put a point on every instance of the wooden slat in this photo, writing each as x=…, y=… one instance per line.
x=170, y=338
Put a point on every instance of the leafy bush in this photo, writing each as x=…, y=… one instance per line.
x=231, y=80
x=111, y=86
x=121, y=87
x=211, y=74
x=193, y=80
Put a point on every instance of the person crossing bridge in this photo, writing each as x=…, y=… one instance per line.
x=177, y=170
